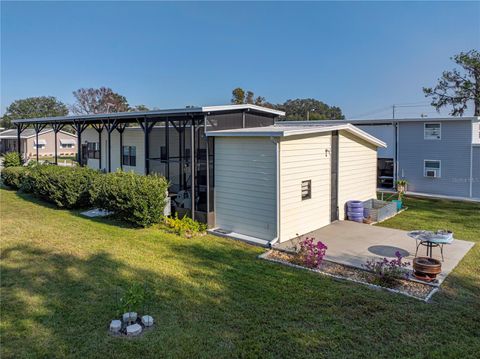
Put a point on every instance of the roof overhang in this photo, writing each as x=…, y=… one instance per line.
x=153, y=114
x=288, y=131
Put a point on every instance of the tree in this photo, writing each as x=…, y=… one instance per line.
x=317, y=110
x=139, y=108
x=238, y=96
x=101, y=100
x=33, y=107
x=458, y=89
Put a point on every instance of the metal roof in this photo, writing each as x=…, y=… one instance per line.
x=155, y=113
x=287, y=131
x=377, y=121
x=27, y=133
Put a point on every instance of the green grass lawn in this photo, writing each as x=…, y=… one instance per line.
x=212, y=297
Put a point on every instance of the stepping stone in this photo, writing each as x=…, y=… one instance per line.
x=134, y=329
x=129, y=317
x=147, y=320
x=115, y=326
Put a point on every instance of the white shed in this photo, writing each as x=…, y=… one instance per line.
x=275, y=183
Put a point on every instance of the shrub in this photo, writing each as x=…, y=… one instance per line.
x=67, y=187
x=12, y=159
x=134, y=198
x=387, y=272
x=185, y=226
x=311, y=254
x=13, y=176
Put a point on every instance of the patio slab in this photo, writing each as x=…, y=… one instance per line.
x=352, y=244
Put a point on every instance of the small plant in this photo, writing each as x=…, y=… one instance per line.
x=387, y=272
x=310, y=253
x=401, y=188
x=12, y=159
x=133, y=299
x=185, y=226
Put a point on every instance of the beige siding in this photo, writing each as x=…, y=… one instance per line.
x=49, y=149
x=245, y=186
x=304, y=158
x=357, y=170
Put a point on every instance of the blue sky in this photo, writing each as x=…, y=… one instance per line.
x=362, y=57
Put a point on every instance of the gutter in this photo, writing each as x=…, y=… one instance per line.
x=277, y=157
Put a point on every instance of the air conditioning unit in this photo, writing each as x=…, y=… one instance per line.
x=432, y=173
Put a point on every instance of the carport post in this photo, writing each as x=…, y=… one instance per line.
x=20, y=128
x=192, y=164
x=99, y=128
x=56, y=128
x=38, y=128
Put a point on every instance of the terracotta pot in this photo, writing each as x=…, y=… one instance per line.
x=427, y=265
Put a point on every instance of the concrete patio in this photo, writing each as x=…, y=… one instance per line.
x=352, y=244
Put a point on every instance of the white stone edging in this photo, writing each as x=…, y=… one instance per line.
x=264, y=256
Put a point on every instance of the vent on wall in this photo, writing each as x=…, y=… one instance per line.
x=306, y=190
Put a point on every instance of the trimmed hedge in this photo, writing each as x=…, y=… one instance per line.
x=14, y=176
x=134, y=198
x=67, y=187
x=12, y=159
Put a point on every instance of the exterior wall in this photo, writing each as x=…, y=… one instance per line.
x=131, y=137
x=304, y=158
x=357, y=170
x=386, y=133
x=49, y=150
x=245, y=186
x=476, y=171
x=453, y=150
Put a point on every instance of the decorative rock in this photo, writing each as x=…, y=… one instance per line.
x=129, y=317
x=115, y=326
x=134, y=329
x=147, y=320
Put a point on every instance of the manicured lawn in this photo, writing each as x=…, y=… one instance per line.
x=212, y=297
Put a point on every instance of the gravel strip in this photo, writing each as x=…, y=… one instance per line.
x=409, y=288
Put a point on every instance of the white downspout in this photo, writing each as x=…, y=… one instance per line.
x=277, y=158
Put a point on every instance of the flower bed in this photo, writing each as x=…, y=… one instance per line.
x=402, y=286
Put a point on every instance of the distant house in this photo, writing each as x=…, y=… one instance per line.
x=66, y=143
x=437, y=156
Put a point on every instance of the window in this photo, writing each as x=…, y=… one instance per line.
x=432, y=131
x=66, y=145
x=41, y=144
x=432, y=168
x=129, y=156
x=93, y=150
x=306, y=190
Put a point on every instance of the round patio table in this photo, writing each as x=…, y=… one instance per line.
x=431, y=239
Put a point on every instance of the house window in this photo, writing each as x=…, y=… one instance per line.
x=129, y=156
x=66, y=145
x=41, y=144
x=306, y=190
x=432, y=168
x=93, y=150
x=432, y=131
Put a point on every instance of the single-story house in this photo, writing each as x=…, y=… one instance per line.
x=45, y=147
x=233, y=168
x=437, y=156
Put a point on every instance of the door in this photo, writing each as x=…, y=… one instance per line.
x=334, y=178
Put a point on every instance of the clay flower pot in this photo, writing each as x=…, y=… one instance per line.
x=426, y=267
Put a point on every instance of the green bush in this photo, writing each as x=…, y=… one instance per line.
x=185, y=226
x=67, y=187
x=131, y=197
x=12, y=159
x=14, y=176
